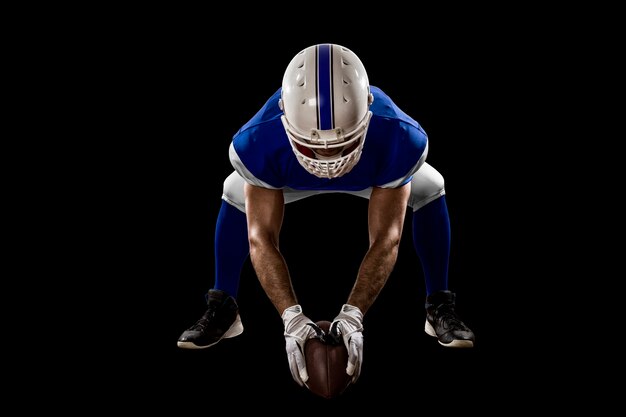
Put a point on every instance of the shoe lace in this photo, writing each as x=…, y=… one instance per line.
x=206, y=318
x=446, y=313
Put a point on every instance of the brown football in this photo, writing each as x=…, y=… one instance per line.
x=326, y=365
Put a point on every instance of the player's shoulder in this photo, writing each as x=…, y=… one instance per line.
x=389, y=120
x=384, y=107
x=268, y=113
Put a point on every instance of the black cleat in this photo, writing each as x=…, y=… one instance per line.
x=221, y=320
x=443, y=323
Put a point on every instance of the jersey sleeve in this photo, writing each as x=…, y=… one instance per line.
x=398, y=142
x=245, y=173
x=409, y=175
x=257, y=149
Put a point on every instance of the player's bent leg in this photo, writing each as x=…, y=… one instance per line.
x=221, y=320
x=431, y=237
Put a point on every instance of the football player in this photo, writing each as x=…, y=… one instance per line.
x=328, y=130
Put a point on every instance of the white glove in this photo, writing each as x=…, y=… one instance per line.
x=297, y=332
x=349, y=325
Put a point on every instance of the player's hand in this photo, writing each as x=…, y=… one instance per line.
x=349, y=326
x=297, y=332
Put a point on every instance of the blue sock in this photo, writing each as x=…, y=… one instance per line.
x=431, y=237
x=231, y=248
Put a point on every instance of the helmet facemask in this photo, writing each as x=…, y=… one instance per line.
x=349, y=147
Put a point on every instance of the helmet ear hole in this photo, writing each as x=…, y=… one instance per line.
x=370, y=99
x=280, y=104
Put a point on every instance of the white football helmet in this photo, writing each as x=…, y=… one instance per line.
x=325, y=101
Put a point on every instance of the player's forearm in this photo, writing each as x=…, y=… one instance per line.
x=273, y=274
x=387, y=209
x=264, y=211
x=373, y=273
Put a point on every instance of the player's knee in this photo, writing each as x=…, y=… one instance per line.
x=427, y=185
x=233, y=192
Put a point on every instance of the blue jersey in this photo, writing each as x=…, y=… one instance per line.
x=395, y=147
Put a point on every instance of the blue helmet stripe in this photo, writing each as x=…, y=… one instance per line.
x=325, y=87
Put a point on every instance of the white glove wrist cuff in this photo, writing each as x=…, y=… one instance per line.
x=352, y=311
x=291, y=312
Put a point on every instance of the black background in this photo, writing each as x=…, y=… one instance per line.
x=182, y=89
